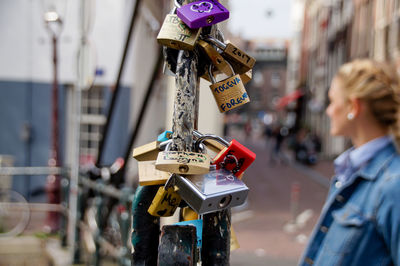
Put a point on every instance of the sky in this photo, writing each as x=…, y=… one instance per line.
x=260, y=18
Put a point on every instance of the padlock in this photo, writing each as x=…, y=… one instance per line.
x=166, y=199
x=228, y=93
x=149, y=175
x=202, y=13
x=246, y=77
x=182, y=162
x=217, y=190
x=149, y=151
x=216, y=59
x=234, y=157
x=176, y=34
x=240, y=60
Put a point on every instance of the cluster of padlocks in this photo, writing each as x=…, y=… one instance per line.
x=209, y=177
x=205, y=184
x=183, y=29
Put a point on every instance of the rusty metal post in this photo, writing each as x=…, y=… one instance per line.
x=186, y=101
x=216, y=238
x=52, y=223
x=175, y=237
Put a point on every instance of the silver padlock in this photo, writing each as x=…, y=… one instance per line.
x=214, y=191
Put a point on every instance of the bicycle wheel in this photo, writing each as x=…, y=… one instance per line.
x=14, y=213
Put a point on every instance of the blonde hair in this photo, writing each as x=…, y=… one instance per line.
x=378, y=84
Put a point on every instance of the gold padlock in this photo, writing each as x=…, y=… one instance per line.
x=181, y=162
x=240, y=60
x=188, y=214
x=246, y=77
x=166, y=200
x=216, y=58
x=228, y=93
x=149, y=175
x=176, y=34
x=147, y=152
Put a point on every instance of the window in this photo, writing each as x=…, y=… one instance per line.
x=92, y=122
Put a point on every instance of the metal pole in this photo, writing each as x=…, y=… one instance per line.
x=117, y=84
x=53, y=181
x=73, y=233
x=73, y=192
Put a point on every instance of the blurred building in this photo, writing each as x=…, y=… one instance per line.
x=26, y=77
x=269, y=76
x=332, y=33
x=268, y=83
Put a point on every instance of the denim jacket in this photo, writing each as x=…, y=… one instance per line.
x=360, y=221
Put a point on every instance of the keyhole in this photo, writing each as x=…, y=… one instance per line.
x=183, y=169
x=210, y=19
x=224, y=202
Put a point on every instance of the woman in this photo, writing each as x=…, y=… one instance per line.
x=360, y=221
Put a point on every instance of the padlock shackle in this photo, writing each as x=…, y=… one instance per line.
x=201, y=137
x=215, y=41
x=177, y=5
x=210, y=73
x=165, y=144
x=170, y=182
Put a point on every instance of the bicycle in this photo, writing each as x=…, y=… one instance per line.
x=14, y=213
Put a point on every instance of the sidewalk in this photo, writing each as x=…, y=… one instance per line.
x=265, y=235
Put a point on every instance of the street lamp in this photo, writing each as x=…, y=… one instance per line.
x=53, y=25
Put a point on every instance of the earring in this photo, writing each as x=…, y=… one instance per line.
x=350, y=116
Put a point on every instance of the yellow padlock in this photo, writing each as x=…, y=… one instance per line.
x=147, y=152
x=246, y=77
x=228, y=93
x=166, y=200
x=240, y=60
x=216, y=58
x=149, y=175
x=176, y=34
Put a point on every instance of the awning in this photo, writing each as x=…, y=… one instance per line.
x=285, y=100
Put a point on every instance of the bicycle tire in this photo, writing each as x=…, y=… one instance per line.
x=14, y=213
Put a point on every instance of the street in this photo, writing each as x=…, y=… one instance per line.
x=262, y=228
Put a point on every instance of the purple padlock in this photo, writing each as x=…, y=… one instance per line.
x=202, y=13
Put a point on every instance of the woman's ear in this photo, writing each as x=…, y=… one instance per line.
x=356, y=106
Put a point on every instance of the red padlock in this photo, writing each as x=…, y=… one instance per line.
x=234, y=157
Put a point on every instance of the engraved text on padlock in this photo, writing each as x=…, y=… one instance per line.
x=229, y=93
x=176, y=34
x=181, y=162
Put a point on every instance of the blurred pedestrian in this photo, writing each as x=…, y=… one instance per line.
x=248, y=128
x=268, y=136
x=279, y=133
x=360, y=221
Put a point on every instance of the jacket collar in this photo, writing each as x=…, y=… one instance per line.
x=382, y=159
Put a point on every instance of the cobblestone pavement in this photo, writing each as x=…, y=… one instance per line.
x=262, y=226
